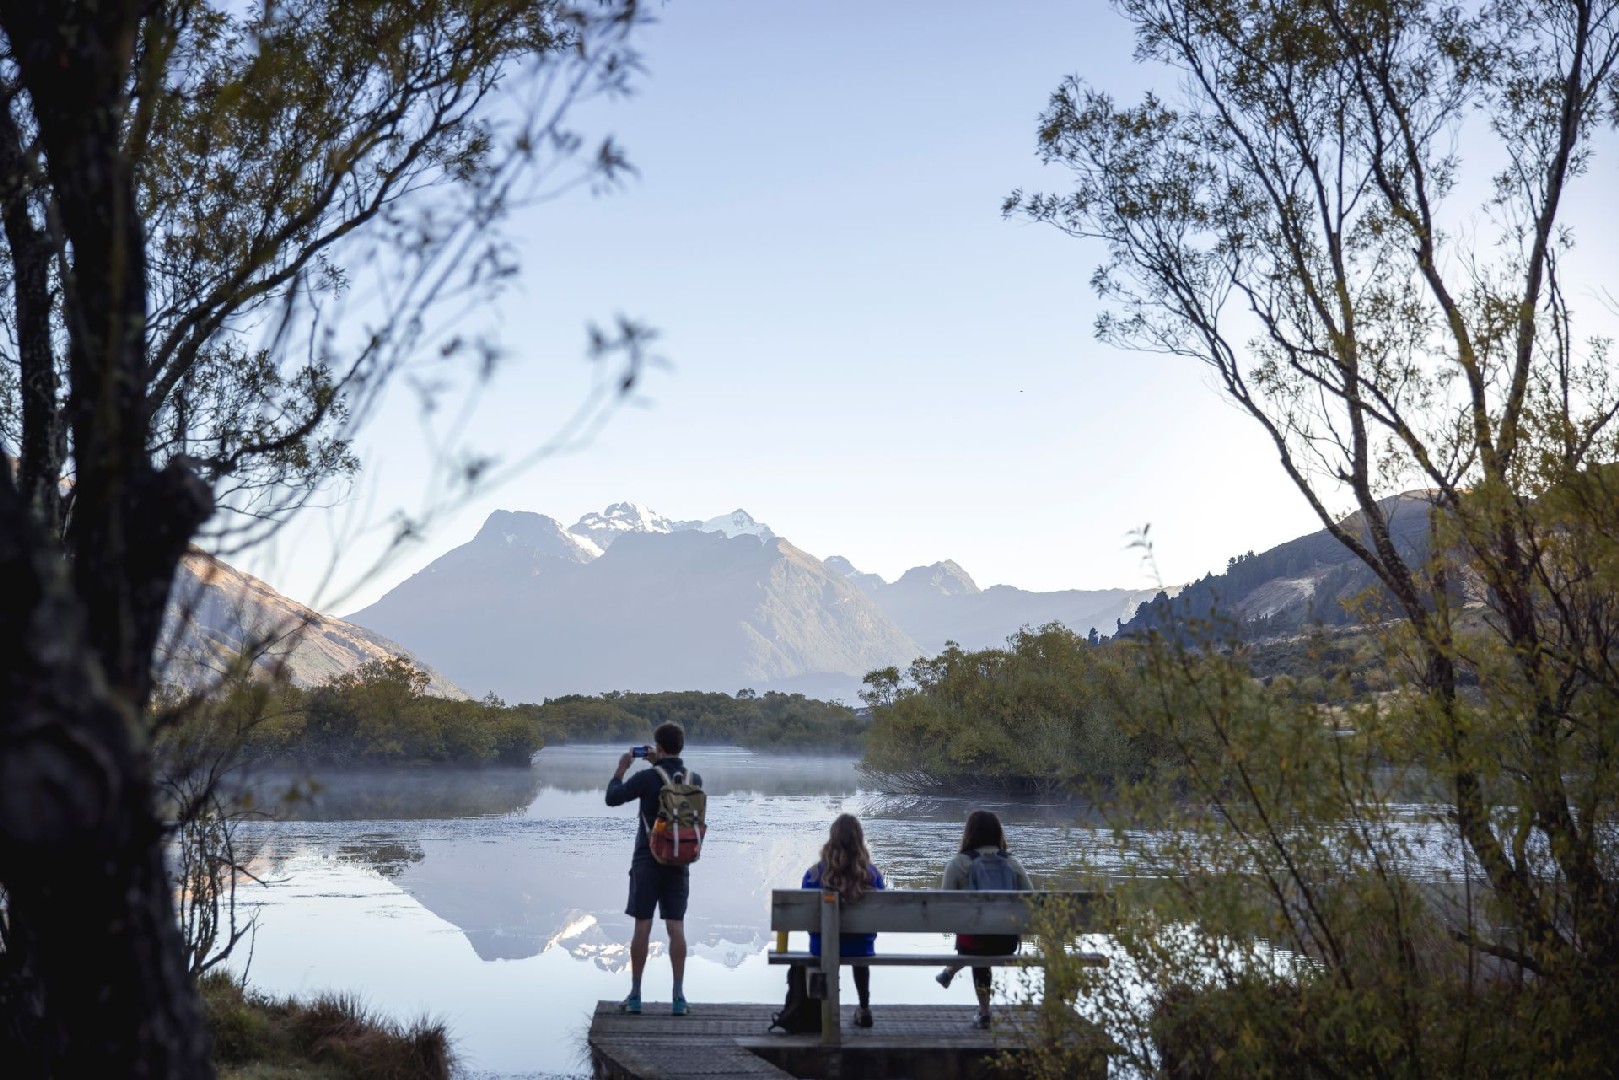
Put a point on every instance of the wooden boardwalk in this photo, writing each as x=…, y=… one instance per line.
x=730, y=1040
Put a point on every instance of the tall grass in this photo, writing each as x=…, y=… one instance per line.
x=259, y=1037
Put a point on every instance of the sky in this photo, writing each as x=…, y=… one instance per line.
x=859, y=350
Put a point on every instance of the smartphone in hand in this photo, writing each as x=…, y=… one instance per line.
x=640, y=751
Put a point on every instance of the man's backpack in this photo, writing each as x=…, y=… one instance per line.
x=991, y=873
x=801, y=1015
x=675, y=835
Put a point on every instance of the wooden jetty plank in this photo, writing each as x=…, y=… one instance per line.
x=657, y=1046
x=718, y=1040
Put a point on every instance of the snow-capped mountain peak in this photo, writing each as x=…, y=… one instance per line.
x=737, y=523
x=627, y=517
x=620, y=518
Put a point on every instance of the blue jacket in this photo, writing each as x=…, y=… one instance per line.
x=848, y=944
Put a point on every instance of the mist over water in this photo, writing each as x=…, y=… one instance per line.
x=494, y=899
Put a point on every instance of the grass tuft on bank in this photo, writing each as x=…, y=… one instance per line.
x=259, y=1037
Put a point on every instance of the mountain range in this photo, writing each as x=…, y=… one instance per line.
x=627, y=599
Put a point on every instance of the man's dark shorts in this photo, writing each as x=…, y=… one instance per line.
x=653, y=885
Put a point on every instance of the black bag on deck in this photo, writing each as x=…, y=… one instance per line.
x=801, y=1015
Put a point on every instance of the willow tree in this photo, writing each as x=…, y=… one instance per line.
x=190, y=193
x=1357, y=214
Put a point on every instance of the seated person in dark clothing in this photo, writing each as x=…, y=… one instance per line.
x=983, y=863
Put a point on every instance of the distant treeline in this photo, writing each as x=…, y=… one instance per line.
x=381, y=714
x=768, y=721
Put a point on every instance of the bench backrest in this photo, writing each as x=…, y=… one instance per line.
x=947, y=911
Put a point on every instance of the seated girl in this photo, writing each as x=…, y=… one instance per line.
x=845, y=868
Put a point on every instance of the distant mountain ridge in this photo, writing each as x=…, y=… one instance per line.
x=628, y=599
x=216, y=613
x=940, y=603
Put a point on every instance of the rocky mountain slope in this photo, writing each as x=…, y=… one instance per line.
x=218, y=612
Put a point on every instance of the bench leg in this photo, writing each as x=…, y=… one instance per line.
x=831, y=1015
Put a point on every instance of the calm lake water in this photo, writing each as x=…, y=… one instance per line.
x=494, y=900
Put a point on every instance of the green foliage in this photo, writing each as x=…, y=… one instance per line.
x=1042, y=715
x=379, y=714
x=1300, y=906
x=768, y=721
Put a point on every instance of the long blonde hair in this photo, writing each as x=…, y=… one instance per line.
x=845, y=862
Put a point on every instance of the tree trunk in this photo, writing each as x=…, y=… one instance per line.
x=100, y=964
x=94, y=978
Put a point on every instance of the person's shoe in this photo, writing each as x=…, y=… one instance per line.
x=862, y=1017
x=631, y=1004
x=678, y=1007
x=945, y=978
x=981, y=1020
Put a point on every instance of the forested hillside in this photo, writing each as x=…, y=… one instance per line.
x=1312, y=580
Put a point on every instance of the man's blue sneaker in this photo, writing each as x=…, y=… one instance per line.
x=631, y=1004
x=678, y=1008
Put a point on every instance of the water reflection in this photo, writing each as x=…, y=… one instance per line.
x=385, y=855
x=726, y=771
x=393, y=795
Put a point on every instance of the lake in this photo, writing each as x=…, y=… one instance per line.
x=494, y=899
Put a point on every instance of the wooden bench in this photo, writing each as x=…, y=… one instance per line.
x=920, y=911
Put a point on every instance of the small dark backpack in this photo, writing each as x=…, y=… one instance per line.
x=801, y=1014
x=990, y=873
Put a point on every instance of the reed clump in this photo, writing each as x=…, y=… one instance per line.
x=260, y=1037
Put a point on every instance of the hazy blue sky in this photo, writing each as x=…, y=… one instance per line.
x=862, y=353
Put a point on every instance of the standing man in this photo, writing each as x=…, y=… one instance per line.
x=653, y=884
